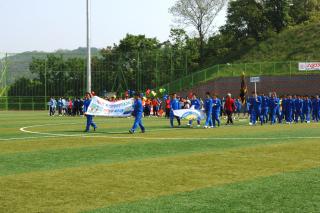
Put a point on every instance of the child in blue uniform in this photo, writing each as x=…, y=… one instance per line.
x=208, y=108
x=251, y=110
x=216, y=109
x=273, y=103
x=315, y=109
x=289, y=106
x=265, y=108
x=89, y=117
x=174, y=105
x=306, y=109
x=298, y=104
x=137, y=112
x=257, y=110
x=196, y=103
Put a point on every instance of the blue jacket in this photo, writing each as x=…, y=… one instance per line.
x=216, y=105
x=238, y=105
x=86, y=105
x=273, y=103
x=264, y=103
x=307, y=105
x=257, y=104
x=315, y=105
x=289, y=105
x=208, y=103
x=298, y=104
x=174, y=104
x=137, y=107
x=196, y=103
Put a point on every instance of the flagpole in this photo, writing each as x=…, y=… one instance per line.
x=88, y=48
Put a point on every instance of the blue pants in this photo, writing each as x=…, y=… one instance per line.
x=90, y=123
x=273, y=113
x=172, y=117
x=289, y=115
x=315, y=115
x=265, y=114
x=257, y=114
x=216, y=117
x=209, y=119
x=306, y=116
x=138, y=122
x=298, y=114
x=198, y=122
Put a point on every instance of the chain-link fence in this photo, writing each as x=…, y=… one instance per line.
x=29, y=84
x=288, y=68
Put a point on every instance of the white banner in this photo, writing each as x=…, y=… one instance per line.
x=309, y=66
x=101, y=107
x=189, y=114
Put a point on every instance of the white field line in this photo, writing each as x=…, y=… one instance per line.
x=99, y=135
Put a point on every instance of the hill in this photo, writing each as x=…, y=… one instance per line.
x=278, y=55
x=299, y=43
x=19, y=63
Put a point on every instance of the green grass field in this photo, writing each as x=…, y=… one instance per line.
x=47, y=164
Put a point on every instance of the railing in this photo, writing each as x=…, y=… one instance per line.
x=288, y=68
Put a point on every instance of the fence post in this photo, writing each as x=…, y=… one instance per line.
x=260, y=69
x=290, y=69
x=19, y=103
x=218, y=69
x=274, y=67
x=45, y=84
x=192, y=80
x=205, y=75
x=32, y=104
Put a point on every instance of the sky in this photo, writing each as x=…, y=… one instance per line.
x=49, y=25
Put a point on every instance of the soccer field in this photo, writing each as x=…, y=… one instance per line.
x=48, y=164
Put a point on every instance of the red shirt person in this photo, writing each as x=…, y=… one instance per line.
x=229, y=108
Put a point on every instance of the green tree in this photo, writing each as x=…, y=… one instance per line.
x=278, y=13
x=199, y=14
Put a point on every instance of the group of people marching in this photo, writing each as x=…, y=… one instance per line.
x=287, y=108
x=65, y=107
x=261, y=108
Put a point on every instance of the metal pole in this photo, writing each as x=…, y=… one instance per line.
x=45, y=85
x=88, y=48
x=255, y=87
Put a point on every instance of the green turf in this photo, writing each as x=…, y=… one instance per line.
x=289, y=192
x=58, y=168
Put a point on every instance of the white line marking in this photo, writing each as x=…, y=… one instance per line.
x=98, y=135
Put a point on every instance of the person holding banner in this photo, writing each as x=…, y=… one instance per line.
x=195, y=102
x=216, y=109
x=208, y=103
x=174, y=105
x=137, y=113
x=89, y=117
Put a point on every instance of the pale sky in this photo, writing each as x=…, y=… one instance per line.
x=48, y=25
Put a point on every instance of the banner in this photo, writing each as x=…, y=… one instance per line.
x=101, y=107
x=309, y=66
x=189, y=114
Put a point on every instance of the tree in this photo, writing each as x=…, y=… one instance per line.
x=304, y=10
x=246, y=18
x=278, y=13
x=199, y=14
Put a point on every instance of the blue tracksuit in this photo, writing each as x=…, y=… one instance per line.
x=250, y=110
x=208, y=103
x=273, y=104
x=196, y=103
x=298, y=104
x=216, y=108
x=306, y=109
x=289, y=106
x=265, y=108
x=174, y=105
x=315, y=110
x=257, y=110
x=137, y=111
x=89, y=117
x=238, y=106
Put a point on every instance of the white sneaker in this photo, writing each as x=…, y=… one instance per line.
x=198, y=125
x=250, y=124
x=211, y=127
x=206, y=127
